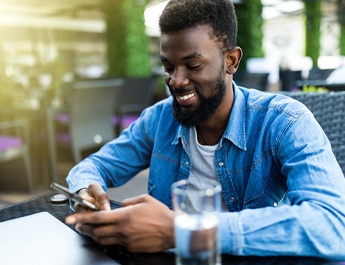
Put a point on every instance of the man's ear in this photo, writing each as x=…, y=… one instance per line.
x=233, y=58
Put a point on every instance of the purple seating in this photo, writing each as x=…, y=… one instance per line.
x=123, y=122
x=7, y=142
x=128, y=120
x=99, y=110
x=136, y=95
x=86, y=123
x=14, y=143
x=64, y=138
x=63, y=118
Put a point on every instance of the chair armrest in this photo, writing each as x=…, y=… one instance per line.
x=19, y=126
x=13, y=124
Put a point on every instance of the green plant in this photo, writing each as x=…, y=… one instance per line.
x=342, y=39
x=250, y=33
x=314, y=89
x=312, y=9
x=127, y=43
x=341, y=16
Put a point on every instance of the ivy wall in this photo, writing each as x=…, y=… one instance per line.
x=312, y=30
x=341, y=16
x=250, y=33
x=128, y=52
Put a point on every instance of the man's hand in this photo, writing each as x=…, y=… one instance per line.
x=94, y=194
x=143, y=224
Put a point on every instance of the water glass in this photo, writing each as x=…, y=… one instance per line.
x=196, y=222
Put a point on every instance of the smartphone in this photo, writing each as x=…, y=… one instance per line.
x=74, y=197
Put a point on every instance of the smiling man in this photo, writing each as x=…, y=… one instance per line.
x=283, y=190
x=198, y=97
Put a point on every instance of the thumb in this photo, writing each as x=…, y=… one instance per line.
x=100, y=195
x=103, y=202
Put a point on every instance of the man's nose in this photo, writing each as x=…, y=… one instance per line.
x=178, y=79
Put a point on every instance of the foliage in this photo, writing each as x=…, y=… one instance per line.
x=312, y=23
x=250, y=32
x=342, y=39
x=127, y=43
x=314, y=89
x=341, y=17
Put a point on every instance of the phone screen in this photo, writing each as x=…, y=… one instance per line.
x=74, y=196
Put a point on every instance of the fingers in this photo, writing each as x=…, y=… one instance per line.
x=83, y=193
x=135, y=200
x=104, y=235
x=97, y=218
x=96, y=195
x=96, y=190
x=104, y=227
x=80, y=209
x=144, y=225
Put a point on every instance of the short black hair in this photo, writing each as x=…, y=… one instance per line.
x=219, y=14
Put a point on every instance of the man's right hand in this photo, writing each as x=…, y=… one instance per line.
x=94, y=194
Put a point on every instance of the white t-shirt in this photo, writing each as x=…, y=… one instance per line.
x=202, y=159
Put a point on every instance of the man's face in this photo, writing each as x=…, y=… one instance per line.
x=194, y=72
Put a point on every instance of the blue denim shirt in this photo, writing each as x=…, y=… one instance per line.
x=281, y=182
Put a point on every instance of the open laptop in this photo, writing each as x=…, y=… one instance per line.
x=42, y=239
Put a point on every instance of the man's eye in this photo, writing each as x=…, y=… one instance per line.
x=193, y=66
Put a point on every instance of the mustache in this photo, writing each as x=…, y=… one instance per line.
x=181, y=91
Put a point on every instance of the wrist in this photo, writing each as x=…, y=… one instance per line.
x=171, y=230
x=81, y=190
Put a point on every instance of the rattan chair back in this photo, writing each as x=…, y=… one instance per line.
x=329, y=111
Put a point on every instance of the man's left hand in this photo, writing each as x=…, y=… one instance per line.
x=143, y=224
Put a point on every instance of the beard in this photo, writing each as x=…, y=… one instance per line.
x=204, y=111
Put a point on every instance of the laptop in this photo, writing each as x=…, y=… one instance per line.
x=42, y=239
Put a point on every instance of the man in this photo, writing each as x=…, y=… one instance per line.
x=283, y=190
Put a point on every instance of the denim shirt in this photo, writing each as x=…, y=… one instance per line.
x=281, y=182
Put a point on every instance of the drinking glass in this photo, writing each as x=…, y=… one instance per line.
x=196, y=222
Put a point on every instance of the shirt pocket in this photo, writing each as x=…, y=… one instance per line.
x=270, y=193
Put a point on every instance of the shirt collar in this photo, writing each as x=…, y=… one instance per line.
x=236, y=129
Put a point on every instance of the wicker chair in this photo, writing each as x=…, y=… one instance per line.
x=329, y=111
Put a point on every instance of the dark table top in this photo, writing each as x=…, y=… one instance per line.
x=121, y=255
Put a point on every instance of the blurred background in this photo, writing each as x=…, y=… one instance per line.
x=46, y=46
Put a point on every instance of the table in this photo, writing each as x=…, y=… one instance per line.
x=121, y=255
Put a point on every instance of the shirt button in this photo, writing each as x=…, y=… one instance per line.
x=232, y=199
x=275, y=204
x=187, y=163
x=221, y=164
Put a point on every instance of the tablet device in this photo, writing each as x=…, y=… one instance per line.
x=42, y=239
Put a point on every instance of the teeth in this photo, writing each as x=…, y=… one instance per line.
x=187, y=96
